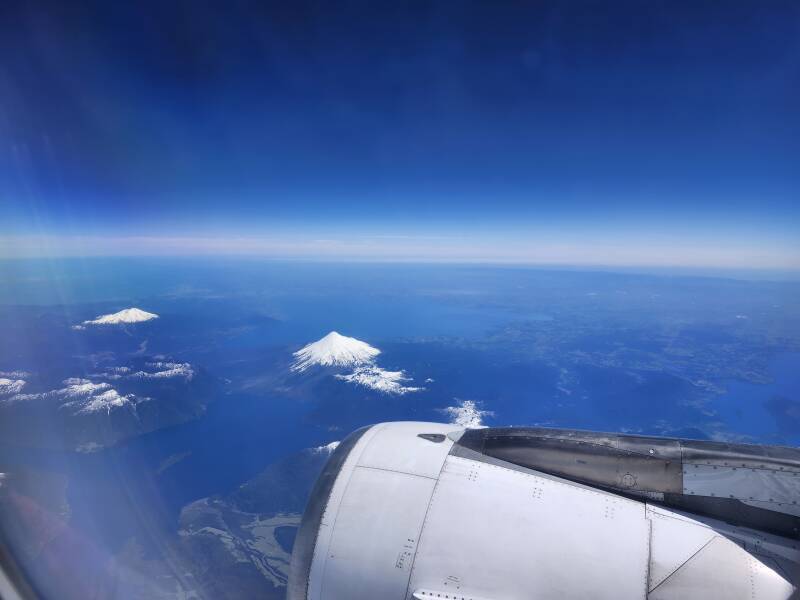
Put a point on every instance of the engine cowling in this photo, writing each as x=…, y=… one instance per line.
x=426, y=510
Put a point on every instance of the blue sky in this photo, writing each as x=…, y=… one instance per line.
x=662, y=133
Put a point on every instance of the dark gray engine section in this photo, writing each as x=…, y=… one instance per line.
x=747, y=485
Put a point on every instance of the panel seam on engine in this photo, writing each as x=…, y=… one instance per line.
x=683, y=564
x=422, y=527
x=396, y=471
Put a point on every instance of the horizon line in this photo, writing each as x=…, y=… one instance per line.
x=531, y=250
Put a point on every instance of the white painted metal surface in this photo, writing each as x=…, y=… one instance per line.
x=325, y=533
x=398, y=448
x=498, y=533
x=390, y=508
x=369, y=530
x=721, y=570
x=689, y=558
x=673, y=541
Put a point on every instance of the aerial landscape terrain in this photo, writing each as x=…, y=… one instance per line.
x=178, y=429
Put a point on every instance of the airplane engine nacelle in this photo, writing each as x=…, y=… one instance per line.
x=430, y=511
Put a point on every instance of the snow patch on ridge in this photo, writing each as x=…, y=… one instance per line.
x=128, y=315
x=164, y=370
x=113, y=373
x=105, y=401
x=334, y=350
x=11, y=386
x=77, y=388
x=326, y=449
x=95, y=392
x=467, y=414
x=81, y=395
x=373, y=377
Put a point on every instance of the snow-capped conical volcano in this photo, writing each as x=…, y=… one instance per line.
x=334, y=350
x=129, y=315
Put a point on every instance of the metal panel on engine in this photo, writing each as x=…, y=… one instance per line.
x=493, y=532
x=769, y=486
x=375, y=535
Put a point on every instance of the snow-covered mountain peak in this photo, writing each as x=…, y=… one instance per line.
x=334, y=350
x=128, y=315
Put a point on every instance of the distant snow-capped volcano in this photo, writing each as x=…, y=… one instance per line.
x=128, y=315
x=334, y=350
